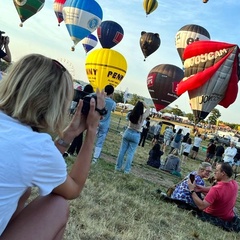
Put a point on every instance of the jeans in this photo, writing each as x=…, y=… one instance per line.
x=101, y=136
x=129, y=145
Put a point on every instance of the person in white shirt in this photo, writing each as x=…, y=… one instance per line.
x=230, y=153
x=34, y=100
x=196, y=145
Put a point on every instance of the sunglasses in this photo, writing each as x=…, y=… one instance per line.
x=59, y=65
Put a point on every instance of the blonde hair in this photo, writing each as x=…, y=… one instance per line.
x=37, y=91
x=175, y=152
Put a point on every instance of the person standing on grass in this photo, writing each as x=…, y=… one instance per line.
x=167, y=137
x=104, y=124
x=184, y=140
x=230, y=153
x=144, y=133
x=177, y=139
x=131, y=136
x=196, y=145
x=211, y=149
x=219, y=153
x=187, y=146
x=156, y=133
x=77, y=142
x=34, y=101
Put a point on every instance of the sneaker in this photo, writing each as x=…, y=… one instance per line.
x=65, y=154
x=94, y=160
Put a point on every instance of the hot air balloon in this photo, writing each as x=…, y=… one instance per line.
x=149, y=43
x=109, y=34
x=205, y=1
x=105, y=66
x=57, y=7
x=150, y=5
x=211, y=76
x=162, y=81
x=89, y=42
x=189, y=34
x=27, y=8
x=81, y=17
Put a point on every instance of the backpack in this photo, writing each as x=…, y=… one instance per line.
x=178, y=138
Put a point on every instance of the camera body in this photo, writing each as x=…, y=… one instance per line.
x=86, y=103
x=3, y=38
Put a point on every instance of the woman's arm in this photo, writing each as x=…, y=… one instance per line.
x=75, y=181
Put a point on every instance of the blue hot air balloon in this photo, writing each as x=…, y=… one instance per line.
x=109, y=34
x=89, y=42
x=81, y=17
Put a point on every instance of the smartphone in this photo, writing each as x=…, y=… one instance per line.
x=192, y=177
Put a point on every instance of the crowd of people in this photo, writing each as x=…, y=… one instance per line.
x=30, y=114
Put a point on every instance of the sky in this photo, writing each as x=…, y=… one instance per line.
x=41, y=34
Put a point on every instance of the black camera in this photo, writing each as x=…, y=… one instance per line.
x=86, y=103
x=3, y=38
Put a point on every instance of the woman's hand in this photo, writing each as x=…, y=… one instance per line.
x=93, y=116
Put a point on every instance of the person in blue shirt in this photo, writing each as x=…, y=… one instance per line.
x=104, y=123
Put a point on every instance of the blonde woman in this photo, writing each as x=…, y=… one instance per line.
x=34, y=101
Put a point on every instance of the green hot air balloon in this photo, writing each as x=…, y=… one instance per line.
x=27, y=8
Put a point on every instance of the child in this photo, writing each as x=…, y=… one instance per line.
x=187, y=146
x=154, y=156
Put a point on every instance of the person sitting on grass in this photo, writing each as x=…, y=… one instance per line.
x=182, y=193
x=172, y=163
x=217, y=207
x=155, y=154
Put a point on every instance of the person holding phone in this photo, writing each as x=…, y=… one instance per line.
x=182, y=193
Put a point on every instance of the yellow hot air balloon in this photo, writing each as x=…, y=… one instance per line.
x=105, y=66
x=150, y=5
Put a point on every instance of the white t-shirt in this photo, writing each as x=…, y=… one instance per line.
x=28, y=159
x=229, y=154
x=197, y=141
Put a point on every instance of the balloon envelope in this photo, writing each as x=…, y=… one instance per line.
x=149, y=43
x=89, y=42
x=81, y=17
x=109, y=34
x=162, y=81
x=57, y=7
x=105, y=66
x=189, y=34
x=150, y=5
x=28, y=8
x=211, y=76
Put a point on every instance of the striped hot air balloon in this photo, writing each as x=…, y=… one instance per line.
x=81, y=17
x=149, y=6
x=27, y=8
x=89, y=42
x=189, y=34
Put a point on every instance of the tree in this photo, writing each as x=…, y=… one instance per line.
x=214, y=115
x=135, y=98
x=118, y=97
x=177, y=111
x=190, y=116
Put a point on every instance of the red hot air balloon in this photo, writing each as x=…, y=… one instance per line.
x=109, y=34
x=57, y=7
x=162, y=81
x=149, y=43
x=211, y=76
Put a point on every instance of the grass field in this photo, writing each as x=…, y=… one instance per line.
x=116, y=206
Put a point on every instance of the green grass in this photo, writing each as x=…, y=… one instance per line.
x=116, y=206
